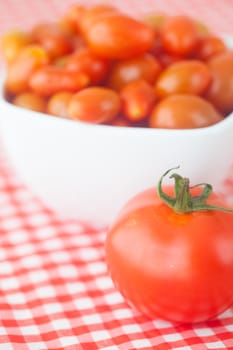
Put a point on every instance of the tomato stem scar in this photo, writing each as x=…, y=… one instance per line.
x=183, y=201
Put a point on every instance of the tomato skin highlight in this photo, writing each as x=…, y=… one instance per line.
x=138, y=98
x=183, y=112
x=52, y=38
x=172, y=266
x=220, y=92
x=125, y=71
x=210, y=46
x=94, y=105
x=117, y=36
x=58, y=104
x=49, y=80
x=84, y=61
x=179, y=35
x=184, y=77
x=32, y=101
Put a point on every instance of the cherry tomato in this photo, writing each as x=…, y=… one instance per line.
x=183, y=112
x=51, y=79
x=138, y=98
x=30, y=100
x=123, y=72
x=185, y=77
x=29, y=60
x=85, y=61
x=169, y=265
x=179, y=35
x=209, y=46
x=51, y=36
x=118, y=36
x=220, y=92
x=73, y=16
x=12, y=43
x=93, y=13
x=95, y=105
x=58, y=104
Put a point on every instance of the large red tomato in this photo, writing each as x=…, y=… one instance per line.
x=170, y=263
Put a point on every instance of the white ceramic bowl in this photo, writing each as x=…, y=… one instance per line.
x=89, y=171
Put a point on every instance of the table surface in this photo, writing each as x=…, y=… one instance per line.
x=55, y=292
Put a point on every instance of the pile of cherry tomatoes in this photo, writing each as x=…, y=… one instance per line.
x=99, y=65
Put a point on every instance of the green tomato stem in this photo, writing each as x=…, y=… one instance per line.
x=183, y=201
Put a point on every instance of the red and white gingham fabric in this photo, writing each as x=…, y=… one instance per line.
x=55, y=292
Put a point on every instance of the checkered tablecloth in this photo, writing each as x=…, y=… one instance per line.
x=55, y=292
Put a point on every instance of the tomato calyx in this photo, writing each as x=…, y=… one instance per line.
x=183, y=202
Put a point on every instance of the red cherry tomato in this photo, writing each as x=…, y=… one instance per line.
x=123, y=72
x=179, y=35
x=73, y=16
x=118, y=36
x=184, y=77
x=95, y=105
x=51, y=79
x=85, y=61
x=138, y=98
x=220, y=92
x=91, y=14
x=54, y=40
x=183, y=112
x=209, y=46
x=169, y=265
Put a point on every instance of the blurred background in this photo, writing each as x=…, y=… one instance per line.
x=217, y=14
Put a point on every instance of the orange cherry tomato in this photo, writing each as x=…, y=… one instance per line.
x=118, y=36
x=53, y=38
x=51, y=79
x=179, y=35
x=95, y=105
x=85, y=61
x=29, y=60
x=93, y=13
x=209, y=46
x=183, y=112
x=73, y=16
x=58, y=104
x=138, y=98
x=123, y=72
x=12, y=43
x=30, y=100
x=220, y=92
x=183, y=77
